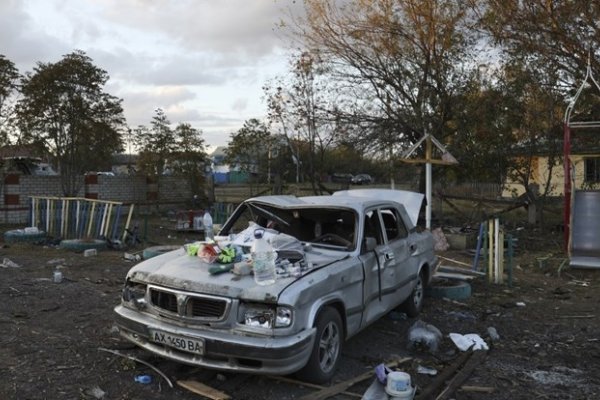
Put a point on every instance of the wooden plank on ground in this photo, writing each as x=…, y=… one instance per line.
x=203, y=390
x=477, y=389
x=452, y=275
x=441, y=378
x=331, y=391
x=447, y=268
x=310, y=385
x=476, y=359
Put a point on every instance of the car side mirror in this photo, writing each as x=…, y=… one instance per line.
x=369, y=244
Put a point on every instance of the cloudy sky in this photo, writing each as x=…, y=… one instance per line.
x=202, y=61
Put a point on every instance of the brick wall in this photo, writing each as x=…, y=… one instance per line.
x=171, y=192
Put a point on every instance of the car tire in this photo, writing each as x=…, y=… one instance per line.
x=327, y=349
x=82, y=244
x=22, y=236
x=449, y=288
x=414, y=304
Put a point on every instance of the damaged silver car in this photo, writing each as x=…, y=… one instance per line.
x=343, y=261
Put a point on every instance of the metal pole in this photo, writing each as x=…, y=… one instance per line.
x=428, y=183
x=392, y=181
x=567, y=184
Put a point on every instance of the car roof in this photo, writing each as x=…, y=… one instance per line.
x=356, y=199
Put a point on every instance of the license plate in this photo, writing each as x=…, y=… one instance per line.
x=179, y=342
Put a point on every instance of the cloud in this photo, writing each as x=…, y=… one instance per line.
x=202, y=61
x=240, y=104
x=139, y=105
x=21, y=41
x=244, y=29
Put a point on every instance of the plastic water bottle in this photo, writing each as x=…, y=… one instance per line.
x=263, y=259
x=208, y=226
x=57, y=276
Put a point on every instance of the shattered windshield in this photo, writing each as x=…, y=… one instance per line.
x=323, y=227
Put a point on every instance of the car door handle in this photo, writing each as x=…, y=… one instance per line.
x=389, y=256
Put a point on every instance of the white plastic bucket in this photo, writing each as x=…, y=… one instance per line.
x=398, y=386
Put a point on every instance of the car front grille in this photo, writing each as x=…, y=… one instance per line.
x=189, y=305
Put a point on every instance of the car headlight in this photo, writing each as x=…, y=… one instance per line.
x=134, y=294
x=268, y=317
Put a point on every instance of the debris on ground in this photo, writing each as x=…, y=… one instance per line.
x=203, y=390
x=94, y=392
x=90, y=252
x=468, y=341
x=422, y=334
x=6, y=263
x=118, y=353
x=439, y=240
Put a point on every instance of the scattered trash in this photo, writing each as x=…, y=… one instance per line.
x=115, y=244
x=397, y=316
x=493, y=334
x=399, y=386
x=57, y=276
x=423, y=334
x=6, y=263
x=579, y=283
x=132, y=257
x=470, y=340
x=203, y=390
x=376, y=391
x=56, y=261
x=462, y=315
x=242, y=268
x=143, y=379
x=94, y=392
x=520, y=304
x=439, y=240
x=426, y=370
x=158, y=371
x=381, y=372
x=90, y=253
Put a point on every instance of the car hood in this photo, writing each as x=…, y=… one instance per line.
x=178, y=270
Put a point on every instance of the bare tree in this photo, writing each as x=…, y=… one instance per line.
x=397, y=63
x=302, y=107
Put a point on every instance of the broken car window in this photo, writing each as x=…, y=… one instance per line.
x=323, y=227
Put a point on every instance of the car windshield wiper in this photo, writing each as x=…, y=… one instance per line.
x=269, y=214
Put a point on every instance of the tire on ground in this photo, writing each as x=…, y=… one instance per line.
x=21, y=235
x=157, y=251
x=82, y=244
x=449, y=288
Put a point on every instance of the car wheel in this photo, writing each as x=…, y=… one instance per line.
x=414, y=304
x=327, y=349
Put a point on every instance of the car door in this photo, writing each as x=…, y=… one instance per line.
x=397, y=238
x=380, y=270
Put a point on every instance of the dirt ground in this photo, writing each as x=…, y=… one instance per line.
x=548, y=322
